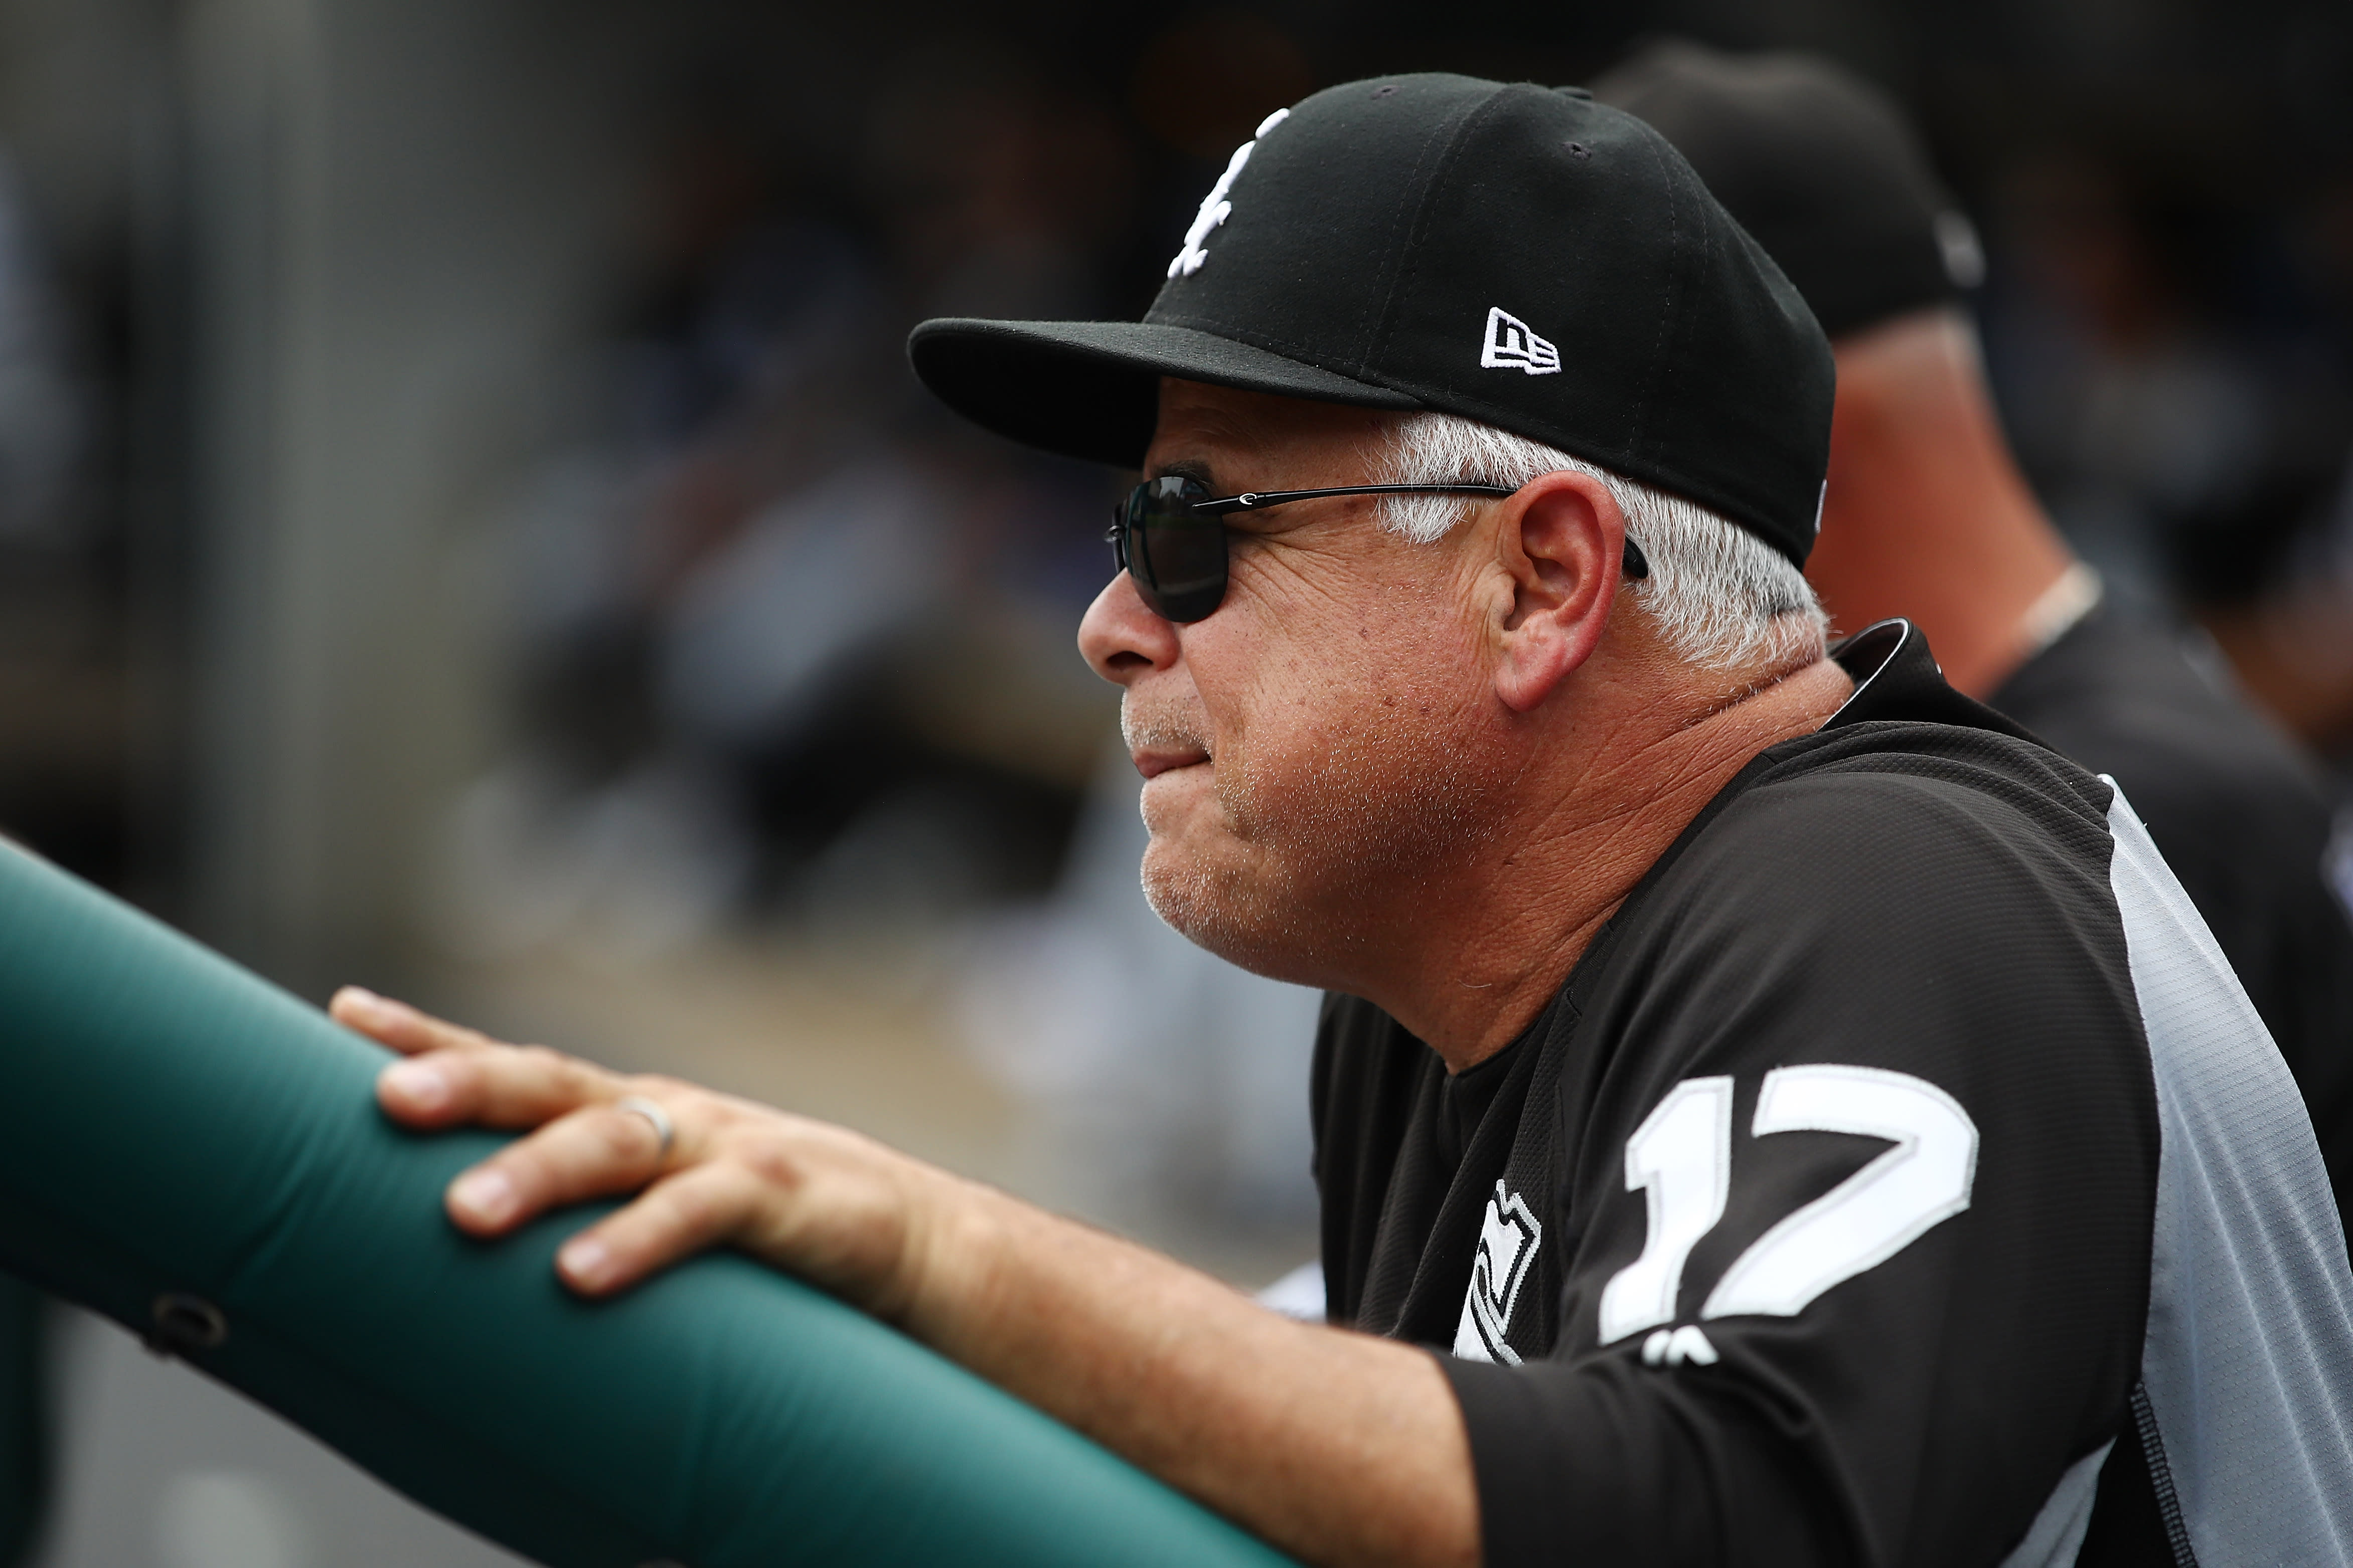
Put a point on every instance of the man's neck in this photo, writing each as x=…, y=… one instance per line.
x=1927, y=515
x=1525, y=906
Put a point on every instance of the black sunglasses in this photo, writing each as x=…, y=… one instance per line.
x=1170, y=536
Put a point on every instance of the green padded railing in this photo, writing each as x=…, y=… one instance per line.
x=199, y=1156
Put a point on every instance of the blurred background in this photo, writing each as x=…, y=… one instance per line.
x=466, y=526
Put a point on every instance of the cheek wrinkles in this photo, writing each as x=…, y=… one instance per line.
x=1298, y=584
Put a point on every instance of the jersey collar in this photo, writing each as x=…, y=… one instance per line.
x=1896, y=677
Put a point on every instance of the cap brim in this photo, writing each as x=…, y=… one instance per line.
x=1092, y=389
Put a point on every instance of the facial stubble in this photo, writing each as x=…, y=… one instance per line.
x=1315, y=860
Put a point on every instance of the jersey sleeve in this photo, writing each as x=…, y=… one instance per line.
x=1855, y=1193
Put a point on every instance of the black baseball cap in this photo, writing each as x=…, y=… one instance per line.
x=1817, y=164
x=1515, y=255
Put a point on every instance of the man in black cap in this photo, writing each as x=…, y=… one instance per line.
x=1927, y=515
x=1769, y=1109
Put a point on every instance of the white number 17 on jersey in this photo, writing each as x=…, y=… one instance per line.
x=1680, y=1159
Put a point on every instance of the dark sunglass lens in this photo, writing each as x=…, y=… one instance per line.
x=1176, y=556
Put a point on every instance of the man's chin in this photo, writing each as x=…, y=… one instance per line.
x=1173, y=796
x=1220, y=910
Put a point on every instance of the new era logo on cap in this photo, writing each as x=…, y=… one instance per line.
x=1512, y=344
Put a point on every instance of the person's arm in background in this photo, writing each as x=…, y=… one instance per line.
x=1336, y=1446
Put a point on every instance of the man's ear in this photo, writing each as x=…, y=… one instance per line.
x=1559, y=541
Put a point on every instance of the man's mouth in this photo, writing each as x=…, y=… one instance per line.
x=1160, y=742
x=1154, y=761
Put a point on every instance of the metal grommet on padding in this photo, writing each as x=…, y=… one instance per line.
x=181, y=1323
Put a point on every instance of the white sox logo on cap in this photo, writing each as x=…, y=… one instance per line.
x=1215, y=207
x=1512, y=344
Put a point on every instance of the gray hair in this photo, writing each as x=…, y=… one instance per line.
x=1721, y=599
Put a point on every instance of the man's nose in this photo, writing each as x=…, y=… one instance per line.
x=1121, y=639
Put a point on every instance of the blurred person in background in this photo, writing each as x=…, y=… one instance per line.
x=2131, y=397
x=1925, y=515
x=2268, y=571
x=790, y=639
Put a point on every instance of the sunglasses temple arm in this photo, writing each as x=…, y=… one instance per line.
x=1259, y=501
x=1633, y=562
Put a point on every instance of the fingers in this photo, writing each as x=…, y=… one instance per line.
x=505, y=1086
x=455, y=1074
x=400, y=1026
x=741, y=1174
x=704, y=1207
x=584, y=1146
x=589, y=1154
x=441, y=1083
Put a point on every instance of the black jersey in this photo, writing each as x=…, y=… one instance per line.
x=1899, y=1177
x=2241, y=817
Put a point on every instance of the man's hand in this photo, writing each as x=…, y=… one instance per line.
x=805, y=1197
x=1336, y=1446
